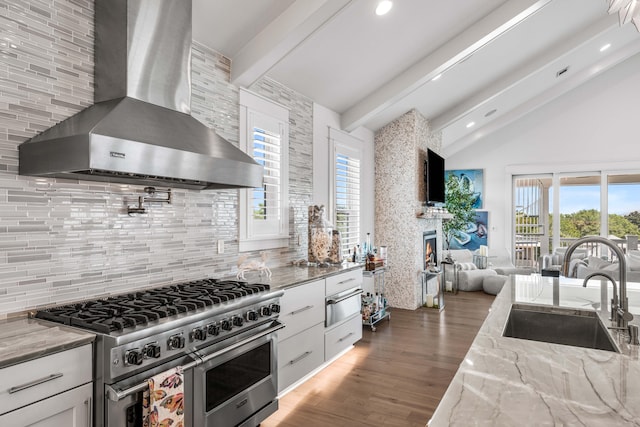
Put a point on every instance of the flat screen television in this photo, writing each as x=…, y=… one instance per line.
x=434, y=178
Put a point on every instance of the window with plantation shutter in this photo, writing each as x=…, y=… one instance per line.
x=346, y=182
x=264, y=211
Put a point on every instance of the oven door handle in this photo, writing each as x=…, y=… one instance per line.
x=117, y=395
x=333, y=301
x=218, y=353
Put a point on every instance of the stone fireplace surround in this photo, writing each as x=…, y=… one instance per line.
x=400, y=149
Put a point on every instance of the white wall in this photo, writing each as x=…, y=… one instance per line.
x=323, y=118
x=593, y=127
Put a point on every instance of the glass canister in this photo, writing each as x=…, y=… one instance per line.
x=335, y=253
x=321, y=237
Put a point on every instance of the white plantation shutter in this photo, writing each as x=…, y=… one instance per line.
x=346, y=180
x=264, y=218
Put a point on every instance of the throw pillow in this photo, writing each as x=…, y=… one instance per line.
x=597, y=263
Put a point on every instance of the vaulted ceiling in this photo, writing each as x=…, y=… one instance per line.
x=486, y=62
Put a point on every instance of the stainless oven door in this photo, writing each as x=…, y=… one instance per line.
x=342, y=306
x=237, y=385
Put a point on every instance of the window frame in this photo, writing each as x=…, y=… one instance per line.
x=352, y=147
x=257, y=111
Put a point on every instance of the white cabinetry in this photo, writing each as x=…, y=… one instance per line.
x=348, y=331
x=52, y=391
x=305, y=345
x=300, y=343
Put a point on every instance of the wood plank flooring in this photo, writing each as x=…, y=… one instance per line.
x=393, y=377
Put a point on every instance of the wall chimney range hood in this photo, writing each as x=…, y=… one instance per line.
x=140, y=131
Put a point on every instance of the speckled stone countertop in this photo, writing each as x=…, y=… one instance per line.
x=514, y=382
x=286, y=277
x=23, y=339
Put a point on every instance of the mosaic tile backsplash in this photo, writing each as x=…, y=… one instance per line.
x=398, y=177
x=64, y=240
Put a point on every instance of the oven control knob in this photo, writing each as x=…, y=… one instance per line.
x=265, y=311
x=151, y=351
x=275, y=308
x=237, y=321
x=213, y=329
x=226, y=325
x=133, y=357
x=251, y=316
x=199, y=334
x=175, y=342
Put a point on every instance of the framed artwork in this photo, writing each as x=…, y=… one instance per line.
x=474, y=178
x=475, y=235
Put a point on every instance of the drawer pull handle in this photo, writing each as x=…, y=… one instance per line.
x=293, y=313
x=346, y=281
x=345, y=337
x=299, y=358
x=346, y=297
x=34, y=383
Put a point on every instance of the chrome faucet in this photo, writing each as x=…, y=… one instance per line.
x=619, y=306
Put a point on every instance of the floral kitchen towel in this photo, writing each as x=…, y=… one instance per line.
x=163, y=403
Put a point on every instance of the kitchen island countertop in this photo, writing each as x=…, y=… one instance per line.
x=514, y=382
x=23, y=339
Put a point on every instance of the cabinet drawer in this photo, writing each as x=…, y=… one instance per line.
x=37, y=379
x=342, y=336
x=300, y=308
x=299, y=355
x=342, y=282
x=72, y=408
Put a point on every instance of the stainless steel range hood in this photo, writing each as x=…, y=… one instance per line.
x=140, y=130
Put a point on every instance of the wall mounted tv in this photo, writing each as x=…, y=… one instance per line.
x=434, y=178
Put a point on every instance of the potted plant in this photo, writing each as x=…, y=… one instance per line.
x=459, y=200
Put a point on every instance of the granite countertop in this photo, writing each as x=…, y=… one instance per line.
x=287, y=277
x=508, y=381
x=23, y=339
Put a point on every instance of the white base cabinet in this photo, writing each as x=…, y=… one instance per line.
x=69, y=409
x=342, y=336
x=305, y=345
x=52, y=391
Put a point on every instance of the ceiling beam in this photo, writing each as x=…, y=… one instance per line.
x=581, y=77
x=504, y=83
x=302, y=19
x=458, y=49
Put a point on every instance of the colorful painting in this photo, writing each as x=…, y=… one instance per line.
x=473, y=178
x=475, y=235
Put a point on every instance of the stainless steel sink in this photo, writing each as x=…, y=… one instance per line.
x=580, y=328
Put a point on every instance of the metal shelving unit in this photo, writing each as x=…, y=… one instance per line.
x=372, y=312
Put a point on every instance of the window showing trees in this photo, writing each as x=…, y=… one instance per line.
x=624, y=204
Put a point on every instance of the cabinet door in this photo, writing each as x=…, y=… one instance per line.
x=342, y=336
x=301, y=307
x=72, y=408
x=299, y=355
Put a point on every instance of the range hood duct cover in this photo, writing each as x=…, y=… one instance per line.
x=140, y=131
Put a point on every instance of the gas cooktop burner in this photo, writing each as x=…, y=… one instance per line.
x=138, y=308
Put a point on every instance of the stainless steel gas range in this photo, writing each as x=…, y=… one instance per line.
x=220, y=334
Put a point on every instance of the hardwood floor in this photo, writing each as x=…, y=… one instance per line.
x=393, y=377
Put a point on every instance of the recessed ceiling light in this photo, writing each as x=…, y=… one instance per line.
x=470, y=124
x=383, y=7
x=436, y=77
x=561, y=72
x=605, y=47
x=491, y=112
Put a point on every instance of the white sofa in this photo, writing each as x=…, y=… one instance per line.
x=471, y=278
x=592, y=265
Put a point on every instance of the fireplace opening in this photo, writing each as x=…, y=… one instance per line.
x=430, y=248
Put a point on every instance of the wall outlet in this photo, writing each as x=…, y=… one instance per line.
x=220, y=246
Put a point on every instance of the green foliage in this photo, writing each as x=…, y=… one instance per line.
x=459, y=203
x=587, y=222
x=634, y=218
